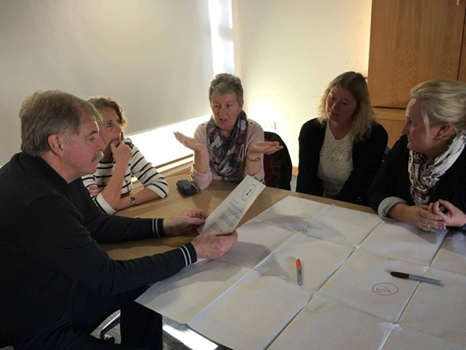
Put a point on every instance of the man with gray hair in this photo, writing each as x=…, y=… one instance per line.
x=56, y=283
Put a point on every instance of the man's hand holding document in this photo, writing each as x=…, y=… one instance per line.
x=229, y=213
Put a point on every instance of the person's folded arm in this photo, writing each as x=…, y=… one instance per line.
x=90, y=183
x=112, y=190
x=147, y=175
x=143, y=196
x=386, y=205
x=153, y=182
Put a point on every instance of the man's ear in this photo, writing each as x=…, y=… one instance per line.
x=56, y=144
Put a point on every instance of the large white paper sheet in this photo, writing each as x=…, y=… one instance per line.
x=328, y=324
x=249, y=297
x=446, y=317
x=400, y=241
x=320, y=259
x=343, y=226
x=403, y=337
x=452, y=253
x=229, y=213
x=291, y=213
x=185, y=294
x=364, y=283
x=253, y=313
x=255, y=242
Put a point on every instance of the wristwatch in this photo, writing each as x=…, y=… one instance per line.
x=133, y=200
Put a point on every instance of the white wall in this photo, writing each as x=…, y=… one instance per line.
x=286, y=53
x=159, y=145
x=151, y=56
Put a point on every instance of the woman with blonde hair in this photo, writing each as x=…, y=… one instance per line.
x=423, y=179
x=341, y=150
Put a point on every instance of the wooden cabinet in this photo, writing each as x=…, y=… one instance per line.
x=393, y=120
x=413, y=41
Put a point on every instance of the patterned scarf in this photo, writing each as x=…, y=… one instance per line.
x=225, y=153
x=425, y=175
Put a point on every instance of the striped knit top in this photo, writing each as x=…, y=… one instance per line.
x=138, y=166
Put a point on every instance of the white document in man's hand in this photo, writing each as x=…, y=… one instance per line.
x=228, y=214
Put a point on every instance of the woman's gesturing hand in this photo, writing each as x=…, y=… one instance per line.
x=264, y=147
x=189, y=142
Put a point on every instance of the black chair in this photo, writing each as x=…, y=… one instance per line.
x=277, y=166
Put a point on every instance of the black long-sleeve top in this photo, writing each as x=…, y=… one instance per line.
x=392, y=179
x=48, y=244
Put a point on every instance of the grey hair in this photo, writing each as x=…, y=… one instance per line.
x=48, y=113
x=443, y=101
x=225, y=83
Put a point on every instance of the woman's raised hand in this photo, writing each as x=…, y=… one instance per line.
x=121, y=152
x=189, y=142
x=265, y=147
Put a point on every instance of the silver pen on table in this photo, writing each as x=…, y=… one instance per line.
x=415, y=277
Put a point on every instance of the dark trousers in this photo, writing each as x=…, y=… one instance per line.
x=140, y=327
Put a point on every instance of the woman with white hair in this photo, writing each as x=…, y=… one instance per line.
x=230, y=145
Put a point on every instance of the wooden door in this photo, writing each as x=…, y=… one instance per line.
x=412, y=41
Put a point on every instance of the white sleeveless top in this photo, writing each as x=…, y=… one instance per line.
x=336, y=162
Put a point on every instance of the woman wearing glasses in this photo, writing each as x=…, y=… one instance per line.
x=110, y=185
